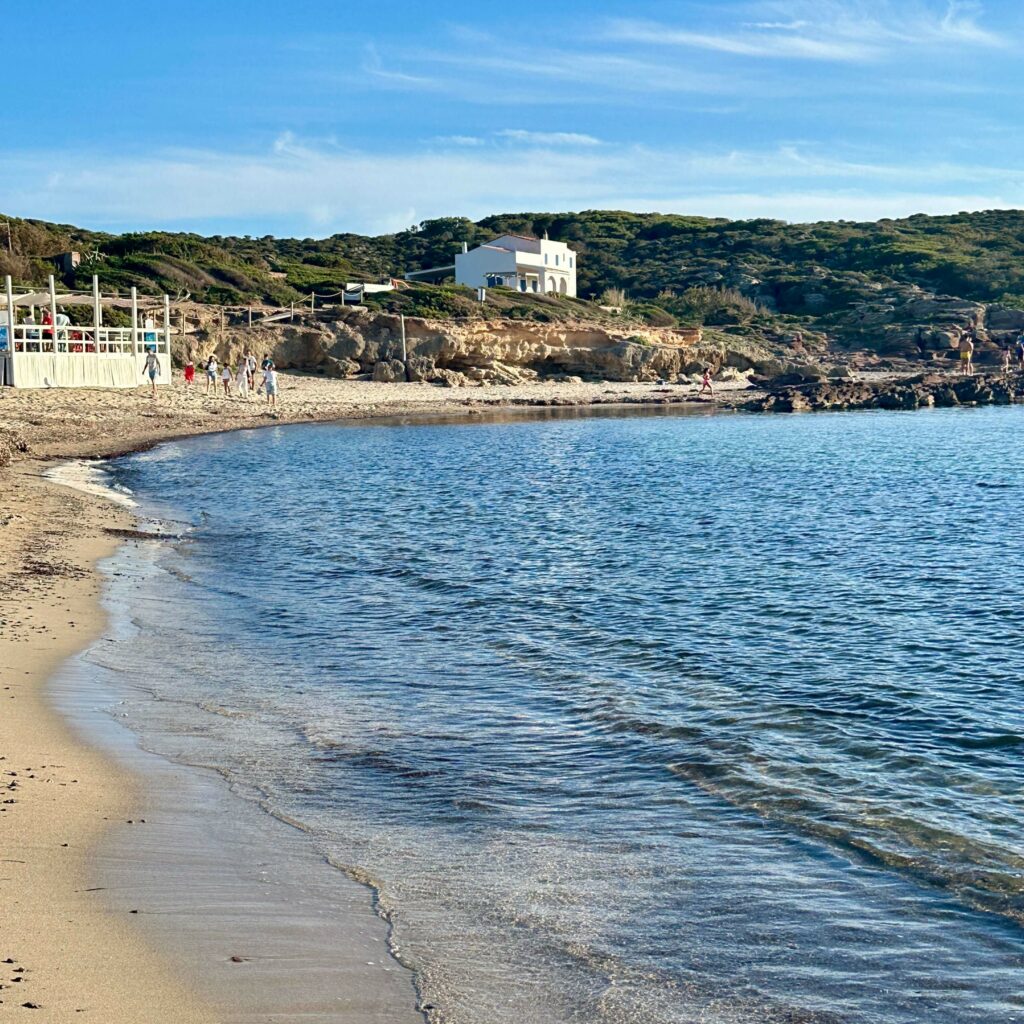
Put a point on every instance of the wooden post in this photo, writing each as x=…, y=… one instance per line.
x=312, y=302
x=249, y=315
x=53, y=313
x=293, y=311
x=167, y=327
x=135, y=321
x=405, y=352
x=97, y=312
x=9, y=289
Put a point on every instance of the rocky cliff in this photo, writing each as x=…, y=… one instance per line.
x=353, y=342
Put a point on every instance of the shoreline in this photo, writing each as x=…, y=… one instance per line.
x=166, y=897
x=65, y=952
x=70, y=950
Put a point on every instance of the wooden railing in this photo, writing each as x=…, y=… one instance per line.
x=103, y=341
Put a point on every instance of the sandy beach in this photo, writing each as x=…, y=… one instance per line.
x=65, y=423
x=63, y=951
x=67, y=948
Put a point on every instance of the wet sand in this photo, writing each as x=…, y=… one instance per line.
x=66, y=954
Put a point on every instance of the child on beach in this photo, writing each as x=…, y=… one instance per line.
x=706, y=385
x=225, y=378
x=190, y=373
x=270, y=384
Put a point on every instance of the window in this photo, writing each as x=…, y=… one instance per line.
x=522, y=284
x=570, y=263
x=557, y=258
x=536, y=285
x=545, y=259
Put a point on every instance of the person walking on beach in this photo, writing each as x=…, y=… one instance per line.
x=190, y=373
x=151, y=369
x=211, y=374
x=270, y=384
x=967, y=351
x=1020, y=351
x=250, y=369
x=706, y=387
x=242, y=379
x=265, y=364
x=225, y=377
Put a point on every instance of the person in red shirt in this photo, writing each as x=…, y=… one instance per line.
x=190, y=372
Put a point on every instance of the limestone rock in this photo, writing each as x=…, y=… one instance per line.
x=389, y=371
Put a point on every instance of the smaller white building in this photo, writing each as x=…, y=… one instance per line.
x=536, y=265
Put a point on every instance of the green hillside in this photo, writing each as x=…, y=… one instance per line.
x=756, y=274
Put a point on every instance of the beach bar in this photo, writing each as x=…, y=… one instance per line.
x=54, y=352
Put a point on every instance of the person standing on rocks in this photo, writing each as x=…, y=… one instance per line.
x=967, y=351
x=1020, y=351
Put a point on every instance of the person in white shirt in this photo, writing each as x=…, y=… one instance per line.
x=270, y=385
x=211, y=375
x=225, y=379
x=242, y=379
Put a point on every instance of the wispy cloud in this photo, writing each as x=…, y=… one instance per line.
x=823, y=30
x=548, y=138
x=460, y=140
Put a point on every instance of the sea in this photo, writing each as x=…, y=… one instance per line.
x=623, y=719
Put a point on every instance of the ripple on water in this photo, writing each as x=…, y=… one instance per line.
x=658, y=720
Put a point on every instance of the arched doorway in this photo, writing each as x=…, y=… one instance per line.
x=563, y=286
x=552, y=285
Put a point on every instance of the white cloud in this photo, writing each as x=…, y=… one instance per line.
x=824, y=30
x=548, y=138
x=746, y=44
x=302, y=189
x=459, y=140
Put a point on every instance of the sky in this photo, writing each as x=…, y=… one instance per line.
x=312, y=117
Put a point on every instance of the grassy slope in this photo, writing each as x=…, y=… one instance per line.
x=698, y=270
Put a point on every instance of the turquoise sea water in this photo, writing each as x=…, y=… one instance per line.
x=646, y=719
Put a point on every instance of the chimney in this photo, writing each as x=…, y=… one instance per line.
x=465, y=246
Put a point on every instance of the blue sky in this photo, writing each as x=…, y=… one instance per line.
x=309, y=117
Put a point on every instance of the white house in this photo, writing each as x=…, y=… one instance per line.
x=518, y=261
x=527, y=264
